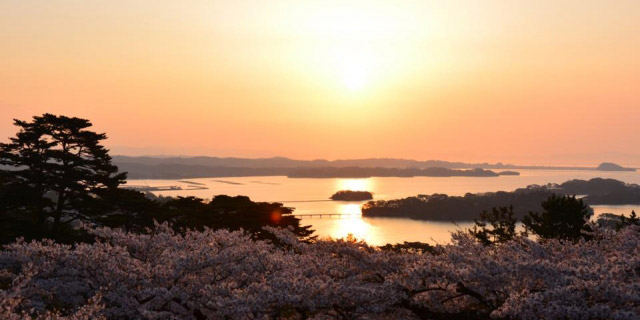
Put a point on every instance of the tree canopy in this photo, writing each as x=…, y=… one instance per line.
x=563, y=217
x=58, y=166
x=502, y=224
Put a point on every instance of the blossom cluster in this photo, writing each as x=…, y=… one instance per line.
x=228, y=275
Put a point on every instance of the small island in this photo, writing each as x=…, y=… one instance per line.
x=509, y=173
x=608, y=166
x=349, y=195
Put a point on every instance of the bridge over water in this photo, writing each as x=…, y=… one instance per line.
x=327, y=215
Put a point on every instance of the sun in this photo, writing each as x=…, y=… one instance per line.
x=354, y=66
x=357, y=46
x=354, y=78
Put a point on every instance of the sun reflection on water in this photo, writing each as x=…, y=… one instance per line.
x=354, y=226
x=355, y=184
x=350, y=209
x=351, y=223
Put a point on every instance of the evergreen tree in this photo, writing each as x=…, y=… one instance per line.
x=58, y=158
x=563, y=217
x=633, y=220
x=503, y=226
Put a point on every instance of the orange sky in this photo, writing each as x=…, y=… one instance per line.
x=549, y=82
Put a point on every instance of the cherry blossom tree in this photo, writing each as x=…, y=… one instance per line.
x=225, y=274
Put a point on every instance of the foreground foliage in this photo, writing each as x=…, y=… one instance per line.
x=228, y=275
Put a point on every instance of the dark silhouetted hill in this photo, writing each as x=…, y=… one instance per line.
x=442, y=207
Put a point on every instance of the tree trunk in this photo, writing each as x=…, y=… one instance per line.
x=58, y=213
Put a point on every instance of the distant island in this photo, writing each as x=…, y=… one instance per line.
x=202, y=167
x=349, y=195
x=608, y=166
x=441, y=207
x=509, y=173
x=359, y=172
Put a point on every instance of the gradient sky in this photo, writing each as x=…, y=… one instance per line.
x=549, y=82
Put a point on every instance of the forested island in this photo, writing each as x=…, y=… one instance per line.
x=349, y=195
x=441, y=207
x=360, y=172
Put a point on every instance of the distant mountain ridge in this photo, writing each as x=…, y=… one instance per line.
x=282, y=162
x=147, y=167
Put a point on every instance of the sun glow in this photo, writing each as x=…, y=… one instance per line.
x=355, y=185
x=352, y=209
x=353, y=225
x=355, y=78
x=355, y=66
x=360, y=46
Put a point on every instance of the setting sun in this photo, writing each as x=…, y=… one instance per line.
x=355, y=78
x=356, y=38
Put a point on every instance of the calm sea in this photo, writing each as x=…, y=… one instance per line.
x=310, y=195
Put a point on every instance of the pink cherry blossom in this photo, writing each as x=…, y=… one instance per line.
x=228, y=275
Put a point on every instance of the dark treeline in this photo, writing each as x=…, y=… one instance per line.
x=56, y=176
x=561, y=217
x=441, y=207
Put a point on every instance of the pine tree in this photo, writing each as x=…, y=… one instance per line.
x=563, y=217
x=503, y=226
x=57, y=157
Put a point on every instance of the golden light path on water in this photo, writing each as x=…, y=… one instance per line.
x=351, y=223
